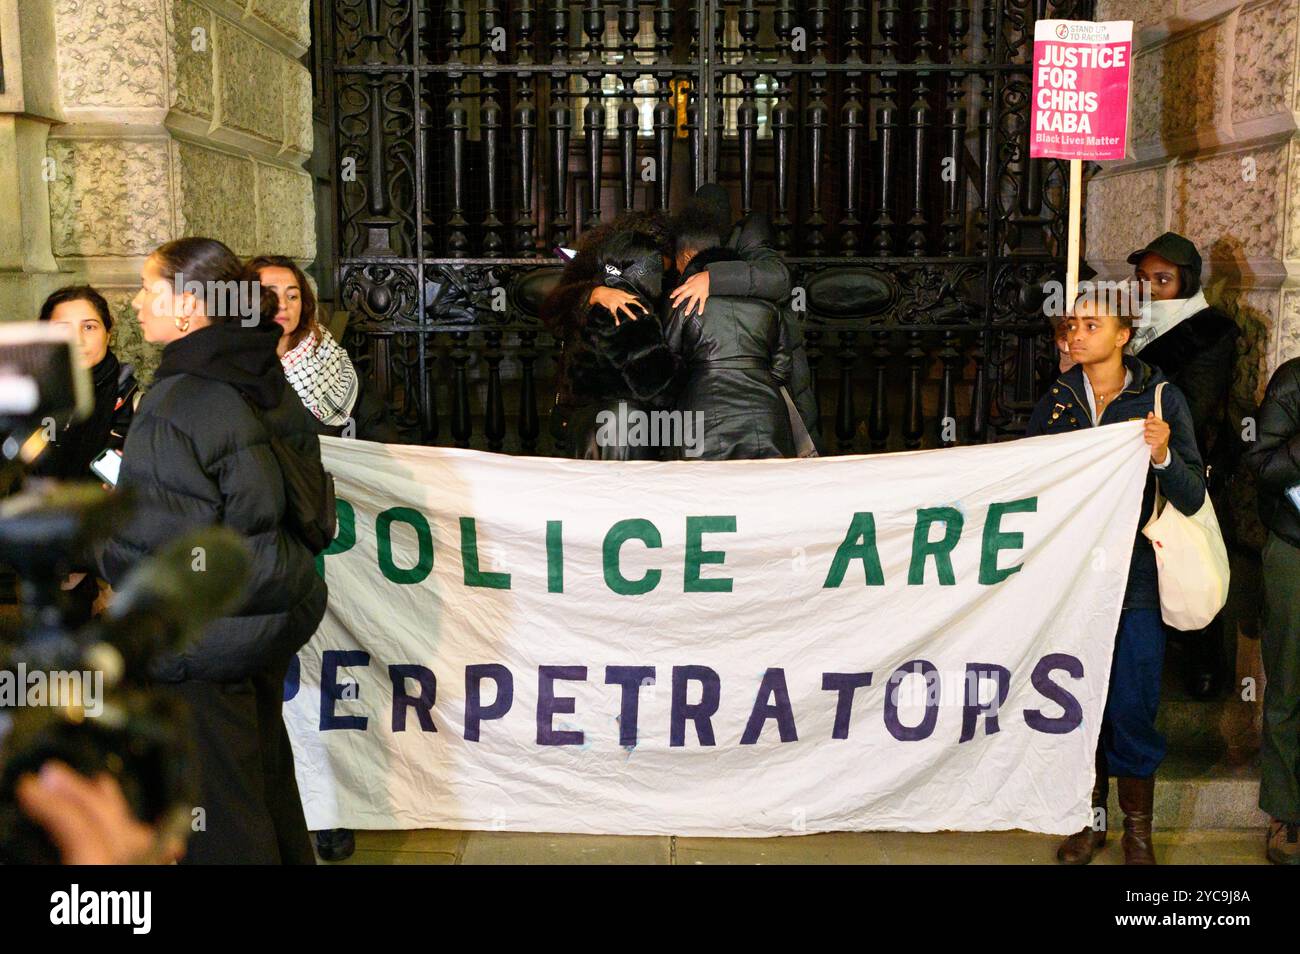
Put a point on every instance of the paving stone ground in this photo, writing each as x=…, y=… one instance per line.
x=438, y=847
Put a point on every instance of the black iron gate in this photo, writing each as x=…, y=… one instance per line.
x=886, y=140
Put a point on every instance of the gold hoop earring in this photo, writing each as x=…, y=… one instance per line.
x=181, y=325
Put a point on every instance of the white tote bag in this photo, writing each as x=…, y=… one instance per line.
x=1191, y=559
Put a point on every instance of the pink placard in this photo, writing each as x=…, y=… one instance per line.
x=1080, y=89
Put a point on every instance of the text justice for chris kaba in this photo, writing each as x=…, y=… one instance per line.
x=858, y=546
x=1060, y=105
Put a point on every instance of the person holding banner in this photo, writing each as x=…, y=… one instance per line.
x=1195, y=345
x=1275, y=460
x=1106, y=386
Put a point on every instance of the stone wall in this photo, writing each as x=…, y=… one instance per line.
x=164, y=118
x=29, y=106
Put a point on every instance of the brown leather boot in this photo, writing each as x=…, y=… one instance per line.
x=1079, y=848
x=1136, y=798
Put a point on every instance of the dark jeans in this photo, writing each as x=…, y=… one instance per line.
x=1279, y=758
x=1132, y=745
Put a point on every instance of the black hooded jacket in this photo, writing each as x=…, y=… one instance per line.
x=606, y=362
x=196, y=456
x=76, y=445
x=1274, y=456
x=1198, y=355
x=735, y=357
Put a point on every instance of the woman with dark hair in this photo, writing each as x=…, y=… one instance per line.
x=611, y=360
x=1195, y=345
x=75, y=445
x=314, y=363
x=199, y=454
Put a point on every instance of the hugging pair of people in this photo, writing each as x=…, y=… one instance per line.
x=684, y=315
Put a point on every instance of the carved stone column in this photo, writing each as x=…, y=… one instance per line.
x=179, y=117
x=29, y=104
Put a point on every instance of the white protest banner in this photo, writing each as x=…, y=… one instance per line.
x=1080, y=89
x=914, y=641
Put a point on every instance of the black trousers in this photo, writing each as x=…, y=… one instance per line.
x=1279, y=757
x=251, y=812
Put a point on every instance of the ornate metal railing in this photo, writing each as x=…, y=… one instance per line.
x=887, y=141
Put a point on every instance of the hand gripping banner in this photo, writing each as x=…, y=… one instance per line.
x=908, y=642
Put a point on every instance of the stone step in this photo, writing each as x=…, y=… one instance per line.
x=1210, y=778
x=1198, y=792
x=1222, y=727
x=441, y=847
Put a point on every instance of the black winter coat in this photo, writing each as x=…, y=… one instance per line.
x=1274, y=457
x=1182, y=482
x=758, y=270
x=735, y=356
x=76, y=445
x=762, y=274
x=197, y=456
x=608, y=363
x=1197, y=356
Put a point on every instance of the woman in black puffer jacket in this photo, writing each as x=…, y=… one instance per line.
x=198, y=455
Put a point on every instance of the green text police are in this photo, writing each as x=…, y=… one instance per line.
x=936, y=532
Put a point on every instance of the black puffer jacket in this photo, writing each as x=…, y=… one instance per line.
x=1274, y=457
x=196, y=456
x=1182, y=481
x=1198, y=355
x=735, y=356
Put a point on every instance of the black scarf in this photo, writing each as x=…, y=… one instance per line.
x=242, y=357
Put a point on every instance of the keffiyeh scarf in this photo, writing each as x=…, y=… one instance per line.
x=322, y=374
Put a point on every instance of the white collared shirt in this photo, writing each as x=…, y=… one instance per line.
x=1092, y=399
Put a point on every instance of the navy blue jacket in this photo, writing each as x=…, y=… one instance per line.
x=1065, y=408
